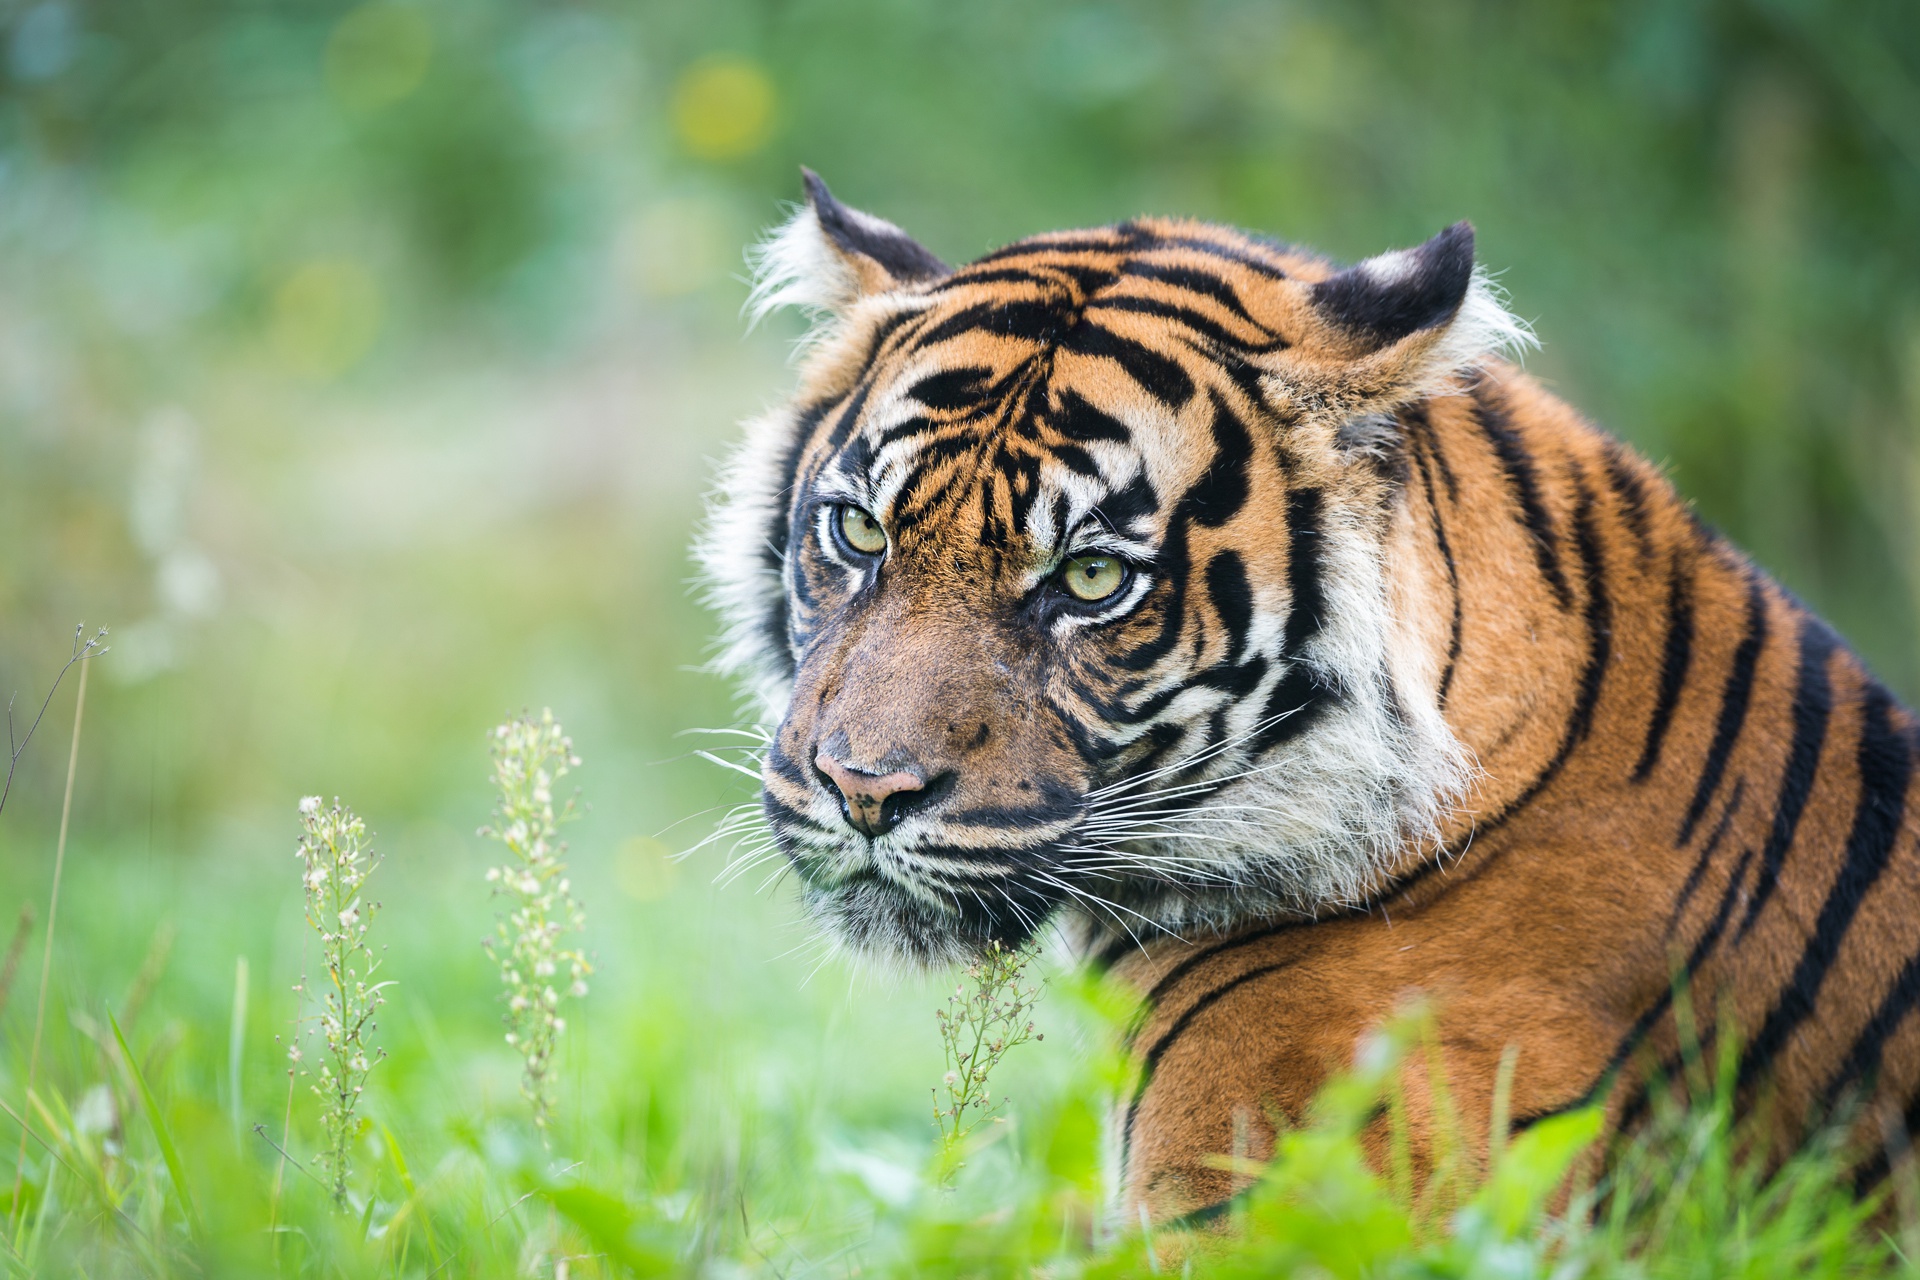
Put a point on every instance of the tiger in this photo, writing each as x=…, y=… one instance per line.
x=1261, y=626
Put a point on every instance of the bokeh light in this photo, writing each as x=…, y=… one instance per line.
x=326, y=315
x=723, y=107
x=378, y=54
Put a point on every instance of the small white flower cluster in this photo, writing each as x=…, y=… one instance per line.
x=335, y=865
x=985, y=1019
x=537, y=972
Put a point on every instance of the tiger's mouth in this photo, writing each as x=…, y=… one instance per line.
x=919, y=905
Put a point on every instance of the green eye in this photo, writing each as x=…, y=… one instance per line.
x=862, y=532
x=1093, y=578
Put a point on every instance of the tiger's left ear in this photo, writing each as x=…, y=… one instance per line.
x=828, y=256
x=1403, y=324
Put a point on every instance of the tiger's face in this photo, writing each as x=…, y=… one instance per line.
x=1067, y=576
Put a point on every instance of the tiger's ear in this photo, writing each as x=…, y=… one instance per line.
x=828, y=256
x=1405, y=323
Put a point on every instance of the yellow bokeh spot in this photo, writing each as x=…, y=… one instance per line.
x=326, y=315
x=377, y=55
x=723, y=107
x=644, y=869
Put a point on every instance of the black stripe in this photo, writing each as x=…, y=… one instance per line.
x=1200, y=957
x=1873, y=1171
x=1599, y=617
x=1204, y=283
x=1048, y=277
x=1419, y=430
x=1217, y=496
x=1701, y=863
x=1229, y=253
x=1161, y=376
x=1683, y=980
x=1110, y=240
x=1675, y=659
x=1158, y=1049
x=1520, y=1124
x=1304, y=693
x=1863, y=1059
x=1076, y=418
x=1626, y=485
x=1194, y=1219
x=1038, y=320
x=1886, y=769
x=1735, y=699
x=967, y=277
x=1232, y=598
x=1599, y=620
x=1306, y=602
x=951, y=390
x=1640, y=1099
x=1524, y=478
x=1812, y=710
x=1448, y=480
x=1186, y=316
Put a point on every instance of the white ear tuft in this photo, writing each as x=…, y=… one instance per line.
x=1483, y=328
x=796, y=265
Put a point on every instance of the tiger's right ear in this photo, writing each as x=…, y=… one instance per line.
x=828, y=256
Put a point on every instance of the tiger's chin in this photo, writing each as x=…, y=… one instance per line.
x=879, y=919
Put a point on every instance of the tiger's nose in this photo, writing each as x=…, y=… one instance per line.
x=872, y=803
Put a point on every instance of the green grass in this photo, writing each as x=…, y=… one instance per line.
x=721, y=1115
x=475, y=498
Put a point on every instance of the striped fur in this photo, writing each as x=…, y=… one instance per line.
x=1419, y=683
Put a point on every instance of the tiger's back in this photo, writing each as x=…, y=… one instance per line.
x=1688, y=783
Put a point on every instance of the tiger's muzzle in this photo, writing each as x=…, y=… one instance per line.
x=919, y=789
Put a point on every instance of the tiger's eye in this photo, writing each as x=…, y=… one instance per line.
x=1092, y=578
x=862, y=532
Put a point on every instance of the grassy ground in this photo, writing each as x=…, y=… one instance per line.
x=729, y=1102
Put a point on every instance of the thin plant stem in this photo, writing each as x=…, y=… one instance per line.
x=81, y=653
x=53, y=915
x=286, y=1120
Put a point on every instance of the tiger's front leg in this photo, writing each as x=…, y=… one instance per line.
x=1243, y=1033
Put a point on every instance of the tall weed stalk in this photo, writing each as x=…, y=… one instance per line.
x=336, y=863
x=537, y=970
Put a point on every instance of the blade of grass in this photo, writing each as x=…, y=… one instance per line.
x=414, y=1203
x=53, y=909
x=106, y=1195
x=161, y=1134
x=236, y=1039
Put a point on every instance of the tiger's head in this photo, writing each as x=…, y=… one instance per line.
x=1067, y=576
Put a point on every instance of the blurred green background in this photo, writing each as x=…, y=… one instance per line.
x=363, y=367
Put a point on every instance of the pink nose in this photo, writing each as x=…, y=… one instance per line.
x=864, y=796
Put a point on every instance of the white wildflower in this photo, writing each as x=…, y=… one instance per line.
x=985, y=1018
x=338, y=863
x=529, y=757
